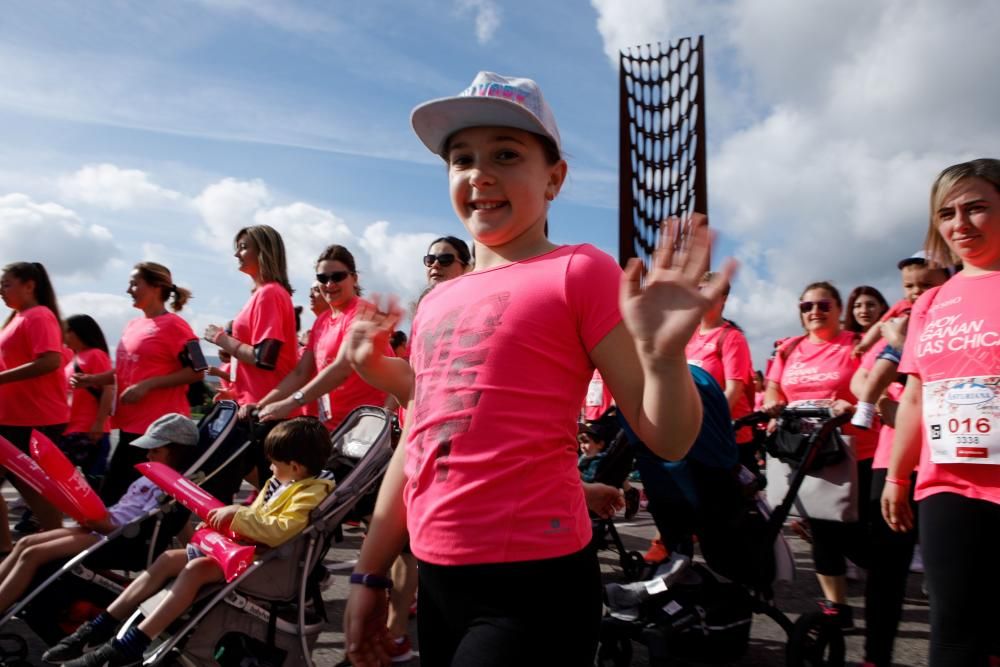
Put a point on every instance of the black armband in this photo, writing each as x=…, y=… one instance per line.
x=192, y=357
x=265, y=354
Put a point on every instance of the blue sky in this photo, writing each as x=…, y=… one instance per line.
x=153, y=130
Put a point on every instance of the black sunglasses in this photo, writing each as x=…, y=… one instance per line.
x=444, y=259
x=336, y=276
x=824, y=306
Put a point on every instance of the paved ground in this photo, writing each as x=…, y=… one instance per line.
x=767, y=643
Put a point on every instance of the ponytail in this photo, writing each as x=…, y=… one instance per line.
x=157, y=275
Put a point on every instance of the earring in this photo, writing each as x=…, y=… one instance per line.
x=549, y=196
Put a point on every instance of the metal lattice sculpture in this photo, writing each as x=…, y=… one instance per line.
x=662, y=144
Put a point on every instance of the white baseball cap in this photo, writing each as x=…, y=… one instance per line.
x=491, y=100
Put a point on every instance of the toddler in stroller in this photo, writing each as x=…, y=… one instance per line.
x=170, y=440
x=297, y=450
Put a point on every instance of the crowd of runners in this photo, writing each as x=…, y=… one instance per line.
x=482, y=507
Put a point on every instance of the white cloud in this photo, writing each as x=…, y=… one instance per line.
x=111, y=311
x=306, y=231
x=395, y=259
x=487, y=17
x=228, y=206
x=53, y=235
x=110, y=186
x=848, y=112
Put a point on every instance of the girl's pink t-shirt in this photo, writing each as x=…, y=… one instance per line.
x=41, y=400
x=150, y=347
x=822, y=371
x=954, y=333
x=83, y=404
x=502, y=361
x=269, y=314
x=598, y=398
x=725, y=356
x=325, y=340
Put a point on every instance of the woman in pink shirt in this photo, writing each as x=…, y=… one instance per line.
x=263, y=343
x=948, y=421
x=819, y=366
x=153, y=368
x=319, y=376
x=86, y=439
x=865, y=305
x=32, y=385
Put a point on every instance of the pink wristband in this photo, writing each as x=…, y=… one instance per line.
x=897, y=481
x=220, y=334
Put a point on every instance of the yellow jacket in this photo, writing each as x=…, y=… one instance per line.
x=285, y=516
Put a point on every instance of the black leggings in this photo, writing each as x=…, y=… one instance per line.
x=960, y=541
x=885, y=585
x=543, y=612
x=835, y=540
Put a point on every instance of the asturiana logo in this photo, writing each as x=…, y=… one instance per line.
x=969, y=393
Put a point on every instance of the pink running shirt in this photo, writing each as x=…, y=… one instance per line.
x=324, y=340
x=37, y=401
x=501, y=359
x=954, y=333
x=150, y=347
x=822, y=371
x=268, y=314
x=732, y=362
x=83, y=404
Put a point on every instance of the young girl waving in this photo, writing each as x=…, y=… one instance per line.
x=487, y=484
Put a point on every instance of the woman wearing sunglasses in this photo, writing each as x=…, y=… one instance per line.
x=815, y=366
x=263, y=343
x=338, y=390
x=447, y=257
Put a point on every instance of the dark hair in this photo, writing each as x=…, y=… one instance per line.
x=298, y=318
x=157, y=275
x=88, y=331
x=45, y=295
x=338, y=253
x=851, y=324
x=460, y=246
x=303, y=440
x=549, y=148
x=825, y=285
x=397, y=338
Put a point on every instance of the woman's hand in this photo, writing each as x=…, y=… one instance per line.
x=840, y=407
x=774, y=407
x=663, y=310
x=896, y=508
x=212, y=332
x=365, y=632
x=277, y=410
x=80, y=380
x=370, y=330
x=135, y=393
x=894, y=331
x=246, y=411
x=603, y=500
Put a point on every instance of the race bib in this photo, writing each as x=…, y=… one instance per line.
x=961, y=416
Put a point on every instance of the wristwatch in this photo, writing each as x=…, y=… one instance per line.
x=371, y=580
x=299, y=398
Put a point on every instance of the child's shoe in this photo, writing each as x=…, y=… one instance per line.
x=657, y=552
x=107, y=655
x=86, y=638
x=399, y=649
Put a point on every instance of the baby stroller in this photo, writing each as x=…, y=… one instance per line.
x=273, y=612
x=704, y=613
x=89, y=581
x=613, y=470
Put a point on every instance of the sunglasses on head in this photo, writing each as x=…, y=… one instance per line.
x=824, y=305
x=336, y=276
x=444, y=259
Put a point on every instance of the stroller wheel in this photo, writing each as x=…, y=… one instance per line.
x=815, y=641
x=632, y=565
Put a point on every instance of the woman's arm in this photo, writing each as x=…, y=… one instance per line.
x=905, y=455
x=92, y=380
x=46, y=362
x=103, y=412
x=734, y=392
x=138, y=391
x=774, y=398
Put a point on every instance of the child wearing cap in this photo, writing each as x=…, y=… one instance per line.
x=298, y=449
x=486, y=483
x=918, y=276
x=168, y=440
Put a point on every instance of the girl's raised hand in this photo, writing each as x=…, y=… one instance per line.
x=663, y=309
x=370, y=331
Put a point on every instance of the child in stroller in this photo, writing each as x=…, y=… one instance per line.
x=297, y=450
x=169, y=440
